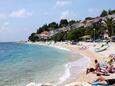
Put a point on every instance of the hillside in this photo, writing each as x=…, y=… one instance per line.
x=72, y=30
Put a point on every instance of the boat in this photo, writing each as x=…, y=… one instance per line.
x=102, y=48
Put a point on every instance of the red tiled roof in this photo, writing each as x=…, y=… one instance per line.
x=44, y=32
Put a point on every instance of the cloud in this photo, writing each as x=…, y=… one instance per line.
x=15, y=14
x=65, y=14
x=4, y=26
x=20, y=13
x=3, y=16
x=6, y=23
x=61, y=3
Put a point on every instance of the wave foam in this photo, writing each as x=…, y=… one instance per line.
x=79, y=63
x=66, y=74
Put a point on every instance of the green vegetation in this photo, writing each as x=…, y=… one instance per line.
x=109, y=24
x=76, y=33
x=54, y=25
x=43, y=28
x=33, y=37
x=105, y=13
x=63, y=23
x=58, y=37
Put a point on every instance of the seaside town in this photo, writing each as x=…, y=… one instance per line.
x=101, y=26
x=93, y=38
x=57, y=43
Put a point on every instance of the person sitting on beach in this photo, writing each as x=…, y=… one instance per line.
x=97, y=65
x=103, y=81
x=99, y=68
x=111, y=68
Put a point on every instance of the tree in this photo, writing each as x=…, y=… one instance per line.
x=39, y=30
x=45, y=27
x=57, y=37
x=113, y=11
x=104, y=13
x=63, y=23
x=72, y=22
x=109, y=12
x=89, y=31
x=88, y=18
x=33, y=37
x=60, y=36
x=109, y=24
x=76, y=34
x=53, y=25
x=98, y=28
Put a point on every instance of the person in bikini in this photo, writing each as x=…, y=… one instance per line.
x=97, y=69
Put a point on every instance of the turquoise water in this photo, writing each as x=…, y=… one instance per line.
x=21, y=64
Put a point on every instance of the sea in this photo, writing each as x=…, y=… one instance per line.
x=21, y=64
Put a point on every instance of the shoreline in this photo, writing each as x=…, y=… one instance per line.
x=66, y=77
x=88, y=53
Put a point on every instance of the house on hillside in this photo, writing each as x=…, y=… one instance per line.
x=44, y=35
x=52, y=32
x=106, y=34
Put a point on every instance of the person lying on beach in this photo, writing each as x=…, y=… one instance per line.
x=97, y=67
x=101, y=70
x=98, y=73
x=110, y=67
x=104, y=71
x=103, y=81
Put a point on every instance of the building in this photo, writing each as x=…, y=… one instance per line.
x=106, y=34
x=44, y=35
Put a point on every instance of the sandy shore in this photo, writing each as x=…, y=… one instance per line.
x=89, y=53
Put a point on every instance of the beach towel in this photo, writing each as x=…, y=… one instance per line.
x=99, y=85
x=94, y=84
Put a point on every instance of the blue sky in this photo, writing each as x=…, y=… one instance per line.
x=19, y=18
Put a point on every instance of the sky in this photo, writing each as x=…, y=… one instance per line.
x=19, y=18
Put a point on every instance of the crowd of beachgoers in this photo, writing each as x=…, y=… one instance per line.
x=101, y=68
